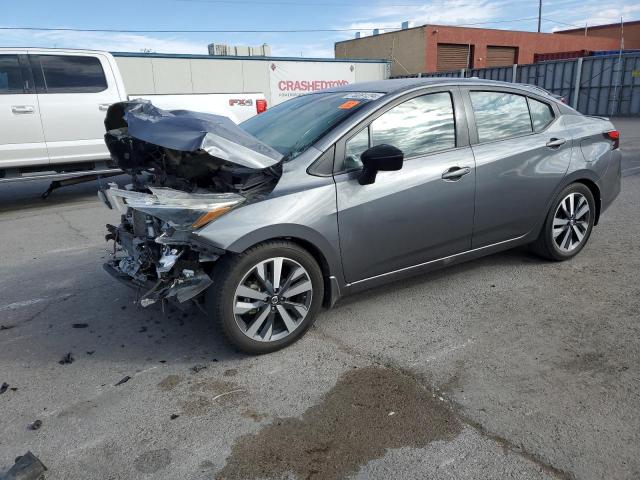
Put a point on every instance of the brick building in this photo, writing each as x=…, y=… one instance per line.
x=430, y=48
x=612, y=31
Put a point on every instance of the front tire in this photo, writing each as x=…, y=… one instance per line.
x=568, y=225
x=267, y=297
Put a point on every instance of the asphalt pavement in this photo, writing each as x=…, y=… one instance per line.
x=504, y=367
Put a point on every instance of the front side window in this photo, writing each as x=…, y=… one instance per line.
x=10, y=75
x=70, y=74
x=354, y=148
x=418, y=126
x=500, y=115
x=541, y=114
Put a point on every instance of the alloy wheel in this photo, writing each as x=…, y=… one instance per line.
x=571, y=222
x=272, y=299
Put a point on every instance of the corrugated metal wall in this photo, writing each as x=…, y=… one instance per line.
x=599, y=85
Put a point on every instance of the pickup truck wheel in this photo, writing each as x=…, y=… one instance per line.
x=267, y=297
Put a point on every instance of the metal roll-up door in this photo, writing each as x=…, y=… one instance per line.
x=501, y=56
x=452, y=56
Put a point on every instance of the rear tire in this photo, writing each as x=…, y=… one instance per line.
x=568, y=225
x=266, y=297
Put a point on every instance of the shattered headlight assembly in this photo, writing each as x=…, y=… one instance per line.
x=180, y=210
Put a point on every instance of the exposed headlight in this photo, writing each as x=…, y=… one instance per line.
x=181, y=210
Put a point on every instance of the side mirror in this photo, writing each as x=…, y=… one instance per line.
x=379, y=158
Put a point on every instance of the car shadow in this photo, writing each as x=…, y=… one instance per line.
x=26, y=195
x=513, y=257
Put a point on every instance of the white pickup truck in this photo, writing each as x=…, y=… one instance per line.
x=52, y=108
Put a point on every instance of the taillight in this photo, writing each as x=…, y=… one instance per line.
x=261, y=106
x=614, y=136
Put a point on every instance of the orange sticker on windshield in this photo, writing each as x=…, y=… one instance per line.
x=348, y=105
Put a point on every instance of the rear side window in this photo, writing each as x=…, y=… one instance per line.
x=541, y=114
x=500, y=115
x=69, y=74
x=418, y=126
x=10, y=75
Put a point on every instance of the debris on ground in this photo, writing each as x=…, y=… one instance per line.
x=3, y=387
x=26, y=467
x=68, y=358
x=197, y=368
x=14, y=389
x=174, y=416
x=163, y=361
x=91, y=352
x=80, y=325
x=142, y=329
x=124, y=380
x=35, y=425
x=6, y=327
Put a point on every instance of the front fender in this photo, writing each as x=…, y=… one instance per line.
x=307, y=214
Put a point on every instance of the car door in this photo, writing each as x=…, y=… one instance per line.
x=522, y=153
x=413, y=215
x=21, y=136
x=74, y=92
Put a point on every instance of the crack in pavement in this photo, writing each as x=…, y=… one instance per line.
x=76, y=230
x=456, y=408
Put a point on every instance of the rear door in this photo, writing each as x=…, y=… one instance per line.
x=74, y=92
x=21, y=136
x=417, y=214
x=522, y=153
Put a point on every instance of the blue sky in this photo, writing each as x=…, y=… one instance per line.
x=275, y=14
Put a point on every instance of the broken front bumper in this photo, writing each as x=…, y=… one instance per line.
x=159, y=257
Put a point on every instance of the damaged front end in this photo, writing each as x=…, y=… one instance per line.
x=187, y=169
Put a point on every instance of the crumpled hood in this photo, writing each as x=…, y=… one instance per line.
x=189, y=131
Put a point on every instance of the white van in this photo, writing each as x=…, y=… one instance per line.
x=52, y=108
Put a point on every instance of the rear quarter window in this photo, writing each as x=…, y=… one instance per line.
x=541, y=114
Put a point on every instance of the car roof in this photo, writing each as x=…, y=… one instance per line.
x=397, y=85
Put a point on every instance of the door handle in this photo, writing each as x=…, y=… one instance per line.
x=556, y=142
x=104, y=106
x=455, y=173
x=22, y=109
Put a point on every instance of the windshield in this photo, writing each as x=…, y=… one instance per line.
x=293, y=126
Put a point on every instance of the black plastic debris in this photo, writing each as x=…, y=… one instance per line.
x=68, y=358
x=3, y=387
x=6, y=327
x=162, y=361
x=80, y=325
x=174, y=416
x=124, y=380
x=35, y=425
x=91, y=352
x=14, y=389
x=26, y=467
x=197, y=368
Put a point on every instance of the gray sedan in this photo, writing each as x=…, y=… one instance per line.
x=334, y=192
